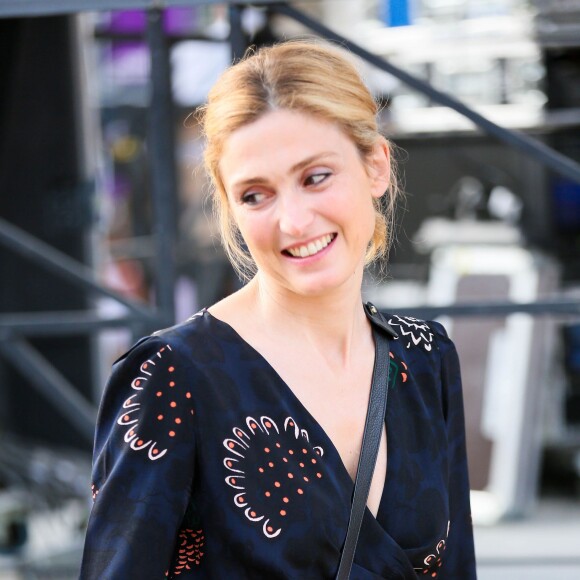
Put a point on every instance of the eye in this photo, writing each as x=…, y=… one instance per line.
x=252, y=198
x=316, y=178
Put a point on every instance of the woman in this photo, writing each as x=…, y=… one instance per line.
x=227, y=446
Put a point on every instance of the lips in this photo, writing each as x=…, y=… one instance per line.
x=311, y=248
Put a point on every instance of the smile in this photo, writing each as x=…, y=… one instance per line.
x=311, y=248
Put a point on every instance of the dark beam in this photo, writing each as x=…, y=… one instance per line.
x=58, y=323
x=555, y=306
x=66, y=323
x=11, y=8
x=547, y=156
x=161, y=146
x=51, y=384
x=173, y=38
x=237, y=39
x=57, y=262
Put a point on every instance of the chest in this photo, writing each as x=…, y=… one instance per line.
x=278, y=449
x=247, y=418
x=339, y=402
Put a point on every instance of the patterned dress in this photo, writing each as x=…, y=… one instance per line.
x=206, y=465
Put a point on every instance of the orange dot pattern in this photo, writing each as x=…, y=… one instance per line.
x=270, y=468
x=153, y=381
x=433, y=561
x=190, y=550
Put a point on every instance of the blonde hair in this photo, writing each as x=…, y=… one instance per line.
x=302, y=76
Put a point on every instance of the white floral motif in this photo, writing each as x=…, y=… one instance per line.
x=433, y=561
x=129, y=416
x=413, y=330
x=272, y=492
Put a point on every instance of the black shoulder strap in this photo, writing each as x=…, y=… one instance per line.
x=371, y=438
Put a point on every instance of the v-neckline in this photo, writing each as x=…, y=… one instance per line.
x=308, y=414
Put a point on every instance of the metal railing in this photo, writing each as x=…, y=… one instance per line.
x=16, y=327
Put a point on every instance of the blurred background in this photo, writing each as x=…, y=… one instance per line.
x=106, y=234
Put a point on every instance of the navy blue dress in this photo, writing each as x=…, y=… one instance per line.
x=206, y=465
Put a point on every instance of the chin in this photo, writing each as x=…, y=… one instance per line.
x=318, y=285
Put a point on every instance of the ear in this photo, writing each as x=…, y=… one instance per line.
x=379, y=167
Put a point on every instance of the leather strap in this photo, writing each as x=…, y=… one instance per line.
x=371, y=438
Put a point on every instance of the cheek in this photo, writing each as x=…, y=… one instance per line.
x=361, y=213
x=365, y=225
x=256, y=232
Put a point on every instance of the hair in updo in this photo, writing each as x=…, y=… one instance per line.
x=302, y=76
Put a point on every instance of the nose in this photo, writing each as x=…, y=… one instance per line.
x=295, y=214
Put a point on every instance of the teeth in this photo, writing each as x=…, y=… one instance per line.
x=311, y=248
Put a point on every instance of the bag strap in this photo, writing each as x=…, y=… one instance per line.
x=371, y=438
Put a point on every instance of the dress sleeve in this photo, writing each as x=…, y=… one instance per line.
x=459, y=559
x=143, y=465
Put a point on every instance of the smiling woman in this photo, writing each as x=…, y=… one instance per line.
x=306, y=78
x=304, y=204
x=227, y=446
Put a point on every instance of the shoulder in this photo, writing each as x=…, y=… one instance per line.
x=414, y=333
x=196, y=335
x=428, y=354
x=193, y=331
x=157, y=367
x=148, y=401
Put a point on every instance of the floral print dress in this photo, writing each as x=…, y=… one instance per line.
x=206, y=465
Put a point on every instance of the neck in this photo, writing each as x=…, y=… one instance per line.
x=332, y=323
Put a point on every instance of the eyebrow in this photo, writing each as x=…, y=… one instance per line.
x=296, y=167
x=302, y=164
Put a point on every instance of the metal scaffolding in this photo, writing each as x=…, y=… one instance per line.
x=15, y=328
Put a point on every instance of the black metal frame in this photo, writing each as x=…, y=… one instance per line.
x=16, y=326
x=44, y=7
x=527, y=145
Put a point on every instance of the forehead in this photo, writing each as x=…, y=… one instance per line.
x=278, y=140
